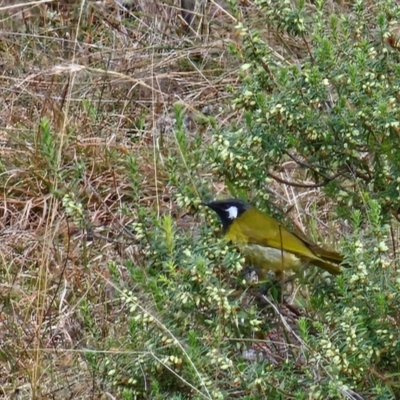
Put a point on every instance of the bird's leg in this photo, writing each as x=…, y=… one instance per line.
x=267, y=282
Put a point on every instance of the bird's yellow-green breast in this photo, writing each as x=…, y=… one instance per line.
x=266, y=243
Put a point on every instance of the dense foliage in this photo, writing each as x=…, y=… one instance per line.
x=323, y=93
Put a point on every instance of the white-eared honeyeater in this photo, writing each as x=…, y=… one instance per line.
x=266, y=243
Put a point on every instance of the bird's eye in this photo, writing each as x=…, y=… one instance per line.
x=232, y=212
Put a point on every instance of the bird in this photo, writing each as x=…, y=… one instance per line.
x=266, y=244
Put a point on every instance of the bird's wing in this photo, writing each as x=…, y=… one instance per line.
x=323, y=252
x=259, y=228
x=264, y=230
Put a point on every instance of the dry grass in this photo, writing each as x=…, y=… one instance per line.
x=106, y=86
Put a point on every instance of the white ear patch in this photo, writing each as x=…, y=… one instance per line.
x=232, y=211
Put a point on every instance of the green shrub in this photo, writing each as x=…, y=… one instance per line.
x=356, y=317
x=323, y=93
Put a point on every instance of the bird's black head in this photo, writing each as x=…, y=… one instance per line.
x=228, y=210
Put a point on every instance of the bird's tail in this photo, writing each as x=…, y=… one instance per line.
x=332, y=267
x=327, y=255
